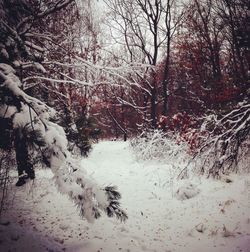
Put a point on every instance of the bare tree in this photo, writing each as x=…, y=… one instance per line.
x=208, y=29
x=235, y=17
x=147, y=28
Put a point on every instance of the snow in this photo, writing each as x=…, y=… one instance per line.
x=7, y=111
x=22, y=118
x=215, y=218
x=186, y=192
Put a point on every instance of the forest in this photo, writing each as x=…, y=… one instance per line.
x=127, y=85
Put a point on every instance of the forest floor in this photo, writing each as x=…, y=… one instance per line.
x=165, y=214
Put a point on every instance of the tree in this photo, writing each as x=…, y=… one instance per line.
x=147, y=27
x=208, y=34
x=30, y=121
x=235, y=18
x=204, y=77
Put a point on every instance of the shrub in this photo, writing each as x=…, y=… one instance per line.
x=157, y=144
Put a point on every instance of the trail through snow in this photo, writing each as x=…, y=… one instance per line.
x=164, y=214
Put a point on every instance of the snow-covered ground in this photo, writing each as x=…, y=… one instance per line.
x=164, y=214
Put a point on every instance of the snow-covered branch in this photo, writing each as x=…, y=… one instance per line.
x=226, y=142
x=70, y=178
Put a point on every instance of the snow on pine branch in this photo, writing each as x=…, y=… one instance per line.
x=71, y=179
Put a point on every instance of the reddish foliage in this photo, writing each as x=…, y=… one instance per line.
x=185, y=127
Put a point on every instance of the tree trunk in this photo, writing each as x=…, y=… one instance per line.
x=154, y=107
x=24, y=164
x=166, y=78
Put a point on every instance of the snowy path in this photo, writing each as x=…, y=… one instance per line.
x=217, y=219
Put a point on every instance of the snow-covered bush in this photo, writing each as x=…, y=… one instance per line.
x=185, y=129
x=226, y=146
x=157, y=144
